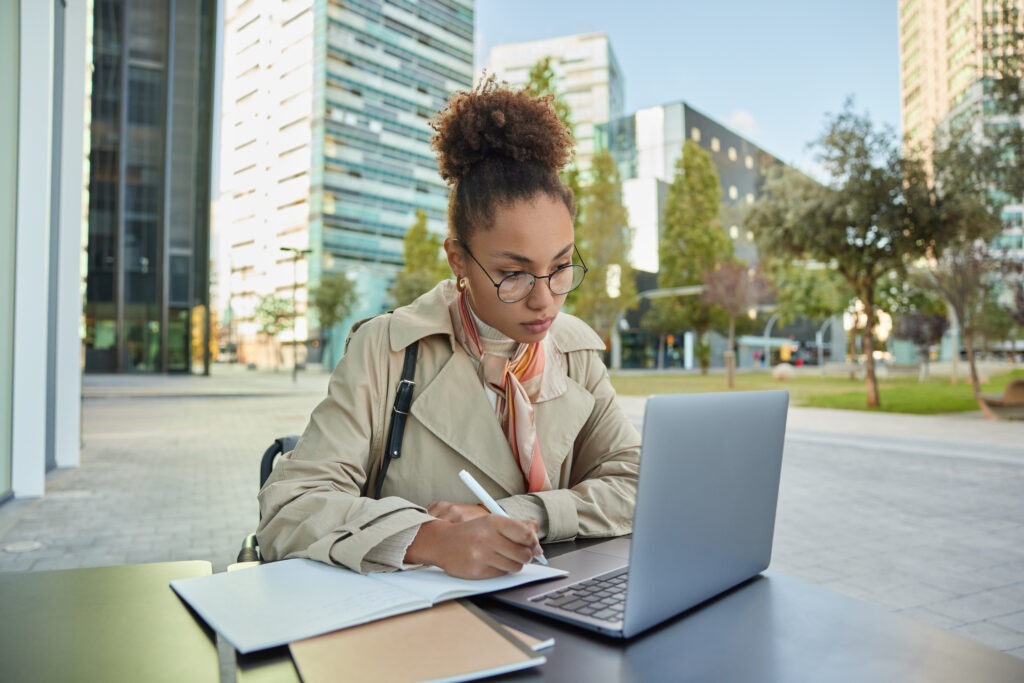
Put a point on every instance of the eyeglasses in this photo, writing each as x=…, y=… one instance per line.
x=517, y=286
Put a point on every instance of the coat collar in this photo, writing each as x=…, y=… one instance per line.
x=474, y=432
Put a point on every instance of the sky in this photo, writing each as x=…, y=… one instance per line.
x=771, y=71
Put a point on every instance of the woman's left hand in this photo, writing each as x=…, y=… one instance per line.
x=455, y=512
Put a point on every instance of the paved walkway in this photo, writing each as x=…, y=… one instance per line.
x=922, y=515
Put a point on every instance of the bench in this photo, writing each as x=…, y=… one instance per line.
x=1008, y=405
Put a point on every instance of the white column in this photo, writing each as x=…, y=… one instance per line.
x=67, y=399
x=28, y=442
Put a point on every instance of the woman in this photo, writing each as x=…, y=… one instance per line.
x=506, y=387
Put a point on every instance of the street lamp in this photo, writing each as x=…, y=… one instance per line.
x=296, y=255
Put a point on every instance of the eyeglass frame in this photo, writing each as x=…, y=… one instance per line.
x=497, y=285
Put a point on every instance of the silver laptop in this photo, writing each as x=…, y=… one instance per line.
x=703, y=523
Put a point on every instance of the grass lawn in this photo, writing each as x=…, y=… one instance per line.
x=897, y=394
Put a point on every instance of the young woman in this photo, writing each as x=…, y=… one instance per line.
x=506, y=386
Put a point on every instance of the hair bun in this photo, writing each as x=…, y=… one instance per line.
x=495, y=121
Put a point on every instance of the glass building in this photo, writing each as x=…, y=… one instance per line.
x=149, y=184
x=325, y=153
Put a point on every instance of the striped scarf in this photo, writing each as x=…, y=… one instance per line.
x=517, y=382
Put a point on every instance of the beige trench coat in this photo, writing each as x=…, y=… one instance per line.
x=314, y=505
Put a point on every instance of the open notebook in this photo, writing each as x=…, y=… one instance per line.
x=280, y=602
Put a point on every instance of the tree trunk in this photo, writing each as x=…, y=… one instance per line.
x=730, y=356
x=975, y=382
x=870, y=381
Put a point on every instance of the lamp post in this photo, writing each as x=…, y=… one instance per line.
x=768, y=331
x=296, y=255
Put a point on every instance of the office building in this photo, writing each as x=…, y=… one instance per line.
x=943, y=71
x=42, y=106
x=587, y=76
x=646, y=147
x=325, y=153
x=149, y=184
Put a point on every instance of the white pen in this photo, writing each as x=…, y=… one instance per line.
x=489, y=502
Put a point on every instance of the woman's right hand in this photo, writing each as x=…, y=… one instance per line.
x=481, y=548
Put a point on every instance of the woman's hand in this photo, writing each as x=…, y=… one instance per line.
x=480, y=548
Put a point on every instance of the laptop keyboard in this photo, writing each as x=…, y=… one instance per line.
x=602, y=597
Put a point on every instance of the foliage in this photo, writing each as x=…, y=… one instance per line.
x=873, y=216
x=273, y=314
x=731, y=287
x=1016, y=311
x=334, y=298
x=425, y=264
x=814, y=291
x=994, y=321
x=691, y=243
x=605, y=240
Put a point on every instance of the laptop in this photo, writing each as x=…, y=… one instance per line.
x=703, y=522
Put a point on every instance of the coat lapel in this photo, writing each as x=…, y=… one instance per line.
x=456, y=409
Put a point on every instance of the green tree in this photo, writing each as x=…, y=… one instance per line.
x=334, y=298
x=870, y=219
x=691, y=243
x=542, y=81
x=732, y=288
x=604, y=238
x=812, y=290
x=425, y=264
x=273, y=313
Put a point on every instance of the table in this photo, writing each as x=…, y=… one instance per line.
x=104, y=624
x=771, y=628
x=125, y=623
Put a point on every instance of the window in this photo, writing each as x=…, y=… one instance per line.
x=732, y=154
x=715, y=145
x=733, y=192
x=748, y=161
x=695, y=134
x=750, y=198
x=734, y=232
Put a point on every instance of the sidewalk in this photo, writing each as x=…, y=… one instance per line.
x=923, y=515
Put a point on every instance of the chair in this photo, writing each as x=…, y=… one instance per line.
x=250, y=551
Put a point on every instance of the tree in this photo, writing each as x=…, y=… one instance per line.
x=425, y=264
x=543, y=82
x=272, y=315
x=731, y=287
x=691, y=243
x=334, y=298
x=605, y=240
x=870, y=219
x=960, y=268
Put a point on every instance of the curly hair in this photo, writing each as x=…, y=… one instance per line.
x=495, y=146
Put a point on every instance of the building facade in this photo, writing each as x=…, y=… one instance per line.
x=147, y=279
x=646, y=147
x=325, y=153
x=588, y=78
x=42, y=102
x=944, y=75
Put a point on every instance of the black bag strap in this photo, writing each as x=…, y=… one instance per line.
x=403, y=401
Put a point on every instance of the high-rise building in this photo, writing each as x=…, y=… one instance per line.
x=43, y=67
x=646, y=147
x=149, y=184
x=945, y=60
x=587, y=77
x=325, y=152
